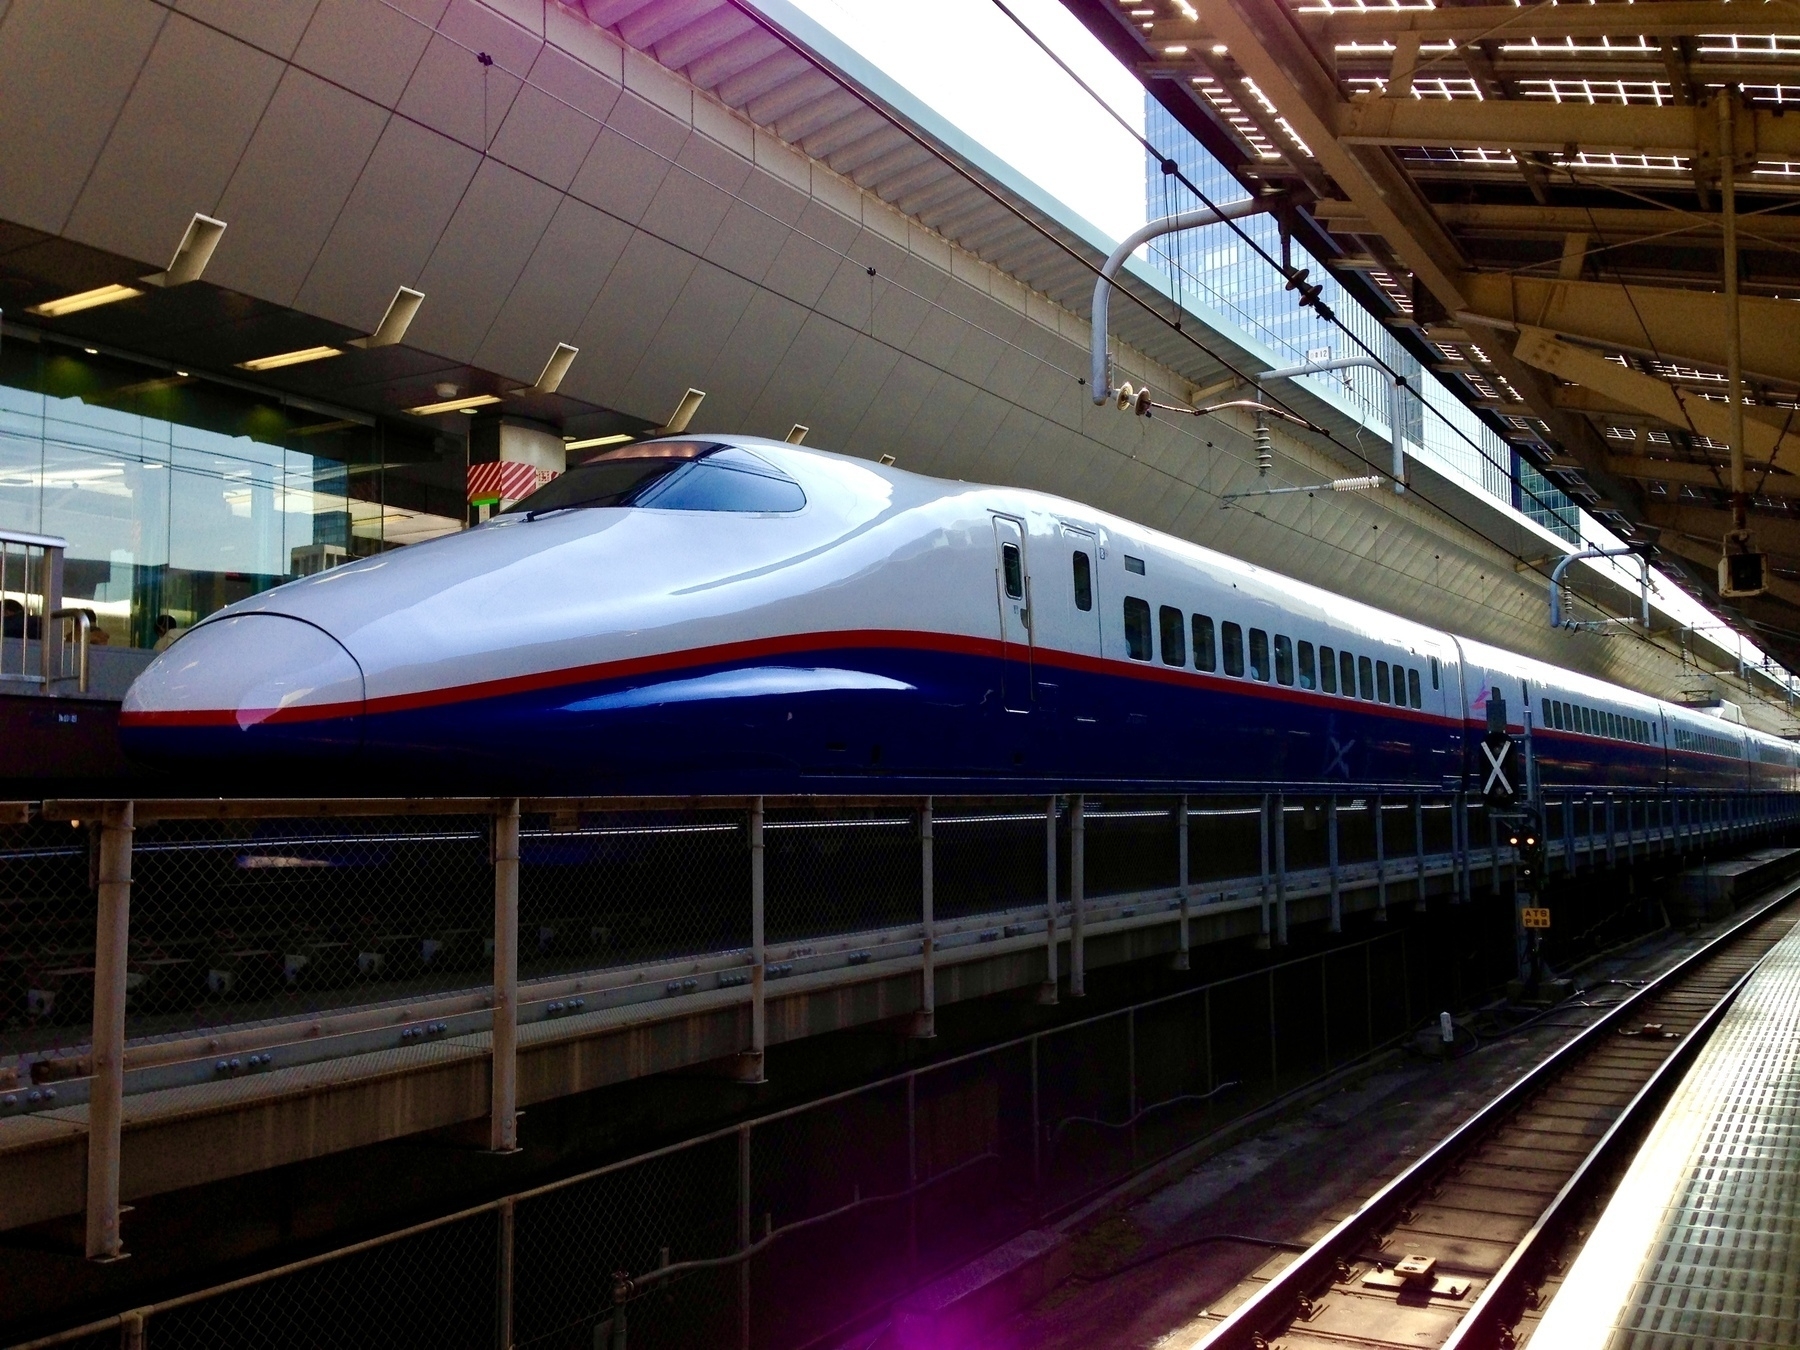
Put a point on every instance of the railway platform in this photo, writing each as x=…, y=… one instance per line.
x=1698, y=1244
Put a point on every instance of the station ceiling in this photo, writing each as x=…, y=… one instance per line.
x=1529, y=195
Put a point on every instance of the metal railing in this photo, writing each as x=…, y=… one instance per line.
x=187, y=943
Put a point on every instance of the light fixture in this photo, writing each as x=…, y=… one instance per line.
x=395, y=322
x=468, y=405
x=91, y=351
x=593, y=441
x=182, y=374
x=74, y=304
x=293, y=358
x=797, y=433
x=555, y=368
x=192, y=254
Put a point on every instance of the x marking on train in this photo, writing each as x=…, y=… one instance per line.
x=1495, y=773
x=1340, y=757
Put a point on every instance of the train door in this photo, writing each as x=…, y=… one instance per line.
x=1012, y=592
x=1068, y=599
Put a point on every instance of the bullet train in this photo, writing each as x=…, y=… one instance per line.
x=729, y=614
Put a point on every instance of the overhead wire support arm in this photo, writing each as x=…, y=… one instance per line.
x=1100, y=372
x=1637, y=551
x=1395, y=386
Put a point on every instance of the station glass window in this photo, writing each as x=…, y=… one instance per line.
x=1328, y=670
x=1308, y=679
x=1084, y=582
x=1383, y=692
x=1231, y=637
x=1347, y=673
x=1137, y=628
x=1284, y=659
x=1412, y=689
x=1259, y=654
x=1174, y=635
x=1365, y=670
x=1013, y=570
x=1204, y=656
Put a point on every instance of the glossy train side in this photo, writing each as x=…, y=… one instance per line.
x=895, y=632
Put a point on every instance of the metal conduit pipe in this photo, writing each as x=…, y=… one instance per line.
x=1099, y=372
x=1397, y=442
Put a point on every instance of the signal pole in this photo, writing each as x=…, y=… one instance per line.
x=1511, y=795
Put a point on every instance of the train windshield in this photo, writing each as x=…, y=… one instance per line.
x=669, y=475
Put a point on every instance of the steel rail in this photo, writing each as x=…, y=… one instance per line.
x=1260, y=1317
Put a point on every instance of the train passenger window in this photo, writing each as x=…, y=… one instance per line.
x=1347, y=674
x=1134, y=564
x=1307, y=679
x=1174, y=636
x=1412, y=689
x=1013, y=569
x=1547, y=718
x=1137, y=628
x=1204, y=657
x=1259, y=654
x=1233, y=639
x=1284, y=659
x=1365, y=670
x=1328, y=670
x=1434, y=672
x=1583, y=719
x=1084, y=582
x=1383, y=692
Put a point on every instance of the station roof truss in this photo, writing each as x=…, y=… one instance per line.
x=1528, y=194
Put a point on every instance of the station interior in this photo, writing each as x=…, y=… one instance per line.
x=899, y=674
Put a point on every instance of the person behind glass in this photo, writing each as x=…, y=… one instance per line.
x=167, y=630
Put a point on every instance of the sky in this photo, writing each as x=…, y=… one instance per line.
x=969, y=62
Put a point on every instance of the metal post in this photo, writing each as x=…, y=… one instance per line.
x=1131, y=1092
x=912, y=1171
x=106, y=1093
x=1047, y=994
x=1630, y=830
x=927, y=1024
x=1419, y=849
x=1493, y=854
x=1262, y=939
x=1726, y=103
x=759, y=951
x=1336, y=924
x=503, y=1113
x=1465, y=861
x=743, y=1234
x=1181, y=938
x=1281, y=924
x=1380, y=861
x=1077, y=897
x=1568, y=815
x=503, y=1282
x=1274, y=1059
x=1611, y=839
x=1037, y=1135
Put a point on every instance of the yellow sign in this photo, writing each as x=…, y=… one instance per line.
x=1534, y=918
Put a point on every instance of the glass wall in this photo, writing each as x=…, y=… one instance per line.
x=179, y=495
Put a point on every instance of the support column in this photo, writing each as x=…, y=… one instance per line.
x=1262, y=938
x=1612, y=854
x=106, y=1099
x=1077, y=896
x=926, y=1026
x=1336, y=923
x=1047, y=993
x=1380, y=861
x=503, y=1106
x=1419, y=850
x=1181, y=882
x=759, y=951
x=1726, y=103
x=743, y=1236
x=506, y=1217
x=1281, y=915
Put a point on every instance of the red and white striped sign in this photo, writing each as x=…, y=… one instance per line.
x=503, y=480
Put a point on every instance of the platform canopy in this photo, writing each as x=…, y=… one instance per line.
x=1531, y=196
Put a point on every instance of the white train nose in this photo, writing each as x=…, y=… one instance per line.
x=251, y=682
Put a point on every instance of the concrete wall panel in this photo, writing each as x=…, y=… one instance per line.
x=556, y=290
x=555, y=119
x=367, y=46
x=66, y=68
x=273, y=25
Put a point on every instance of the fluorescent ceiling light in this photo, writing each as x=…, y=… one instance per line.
x=295, y=358
x=593, y=441
x=395, y=322
x=455, y=404
x=555, y=368
x=192, y=254
x=74, y=304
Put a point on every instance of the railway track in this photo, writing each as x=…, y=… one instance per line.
x=1463, y=1249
